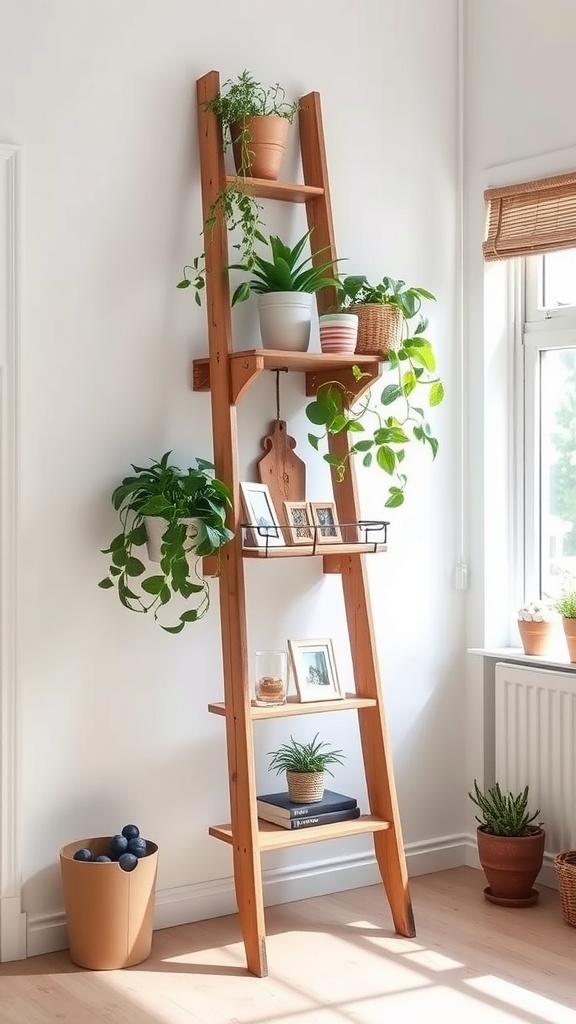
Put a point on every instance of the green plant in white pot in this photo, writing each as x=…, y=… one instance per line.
x=305, y=765
x=181, y=516
x=285, y=285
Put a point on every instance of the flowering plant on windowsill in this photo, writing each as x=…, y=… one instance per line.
x=536, y=611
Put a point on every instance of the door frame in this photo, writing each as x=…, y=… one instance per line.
x=12, y=920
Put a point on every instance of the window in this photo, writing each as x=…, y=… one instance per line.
x=548, y=448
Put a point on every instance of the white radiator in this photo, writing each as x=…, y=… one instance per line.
x=535, y=732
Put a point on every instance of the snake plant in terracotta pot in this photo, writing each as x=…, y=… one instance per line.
x=510, y=847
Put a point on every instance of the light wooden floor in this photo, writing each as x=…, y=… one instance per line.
x=333, y=960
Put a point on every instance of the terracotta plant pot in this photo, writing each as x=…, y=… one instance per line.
x=511, y=865
x=305, y=787
x=570, y=633
x=268, y=135
x=536, y=636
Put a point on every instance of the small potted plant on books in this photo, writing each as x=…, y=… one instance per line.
x=305, y=765
x=510, y=847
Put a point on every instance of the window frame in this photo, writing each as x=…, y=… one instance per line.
x=541, y=330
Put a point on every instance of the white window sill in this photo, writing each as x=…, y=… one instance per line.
x=517, y=654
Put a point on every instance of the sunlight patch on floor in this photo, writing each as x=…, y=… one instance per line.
x=545, y=1010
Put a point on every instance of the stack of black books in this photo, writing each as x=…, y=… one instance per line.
x=279, y=810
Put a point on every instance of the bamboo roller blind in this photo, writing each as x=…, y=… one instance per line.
x=532, y=217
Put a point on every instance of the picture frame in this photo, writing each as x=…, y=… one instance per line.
x=299, y=522
x=324, y=517
x=265, y=530
x=314, y=669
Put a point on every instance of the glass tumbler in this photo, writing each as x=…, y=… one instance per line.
x=271, y=679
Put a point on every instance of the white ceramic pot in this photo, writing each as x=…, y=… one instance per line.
x=285, y=319
x=338, y=332
x=156, y=526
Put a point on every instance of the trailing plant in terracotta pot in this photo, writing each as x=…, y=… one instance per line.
x=510, y=847
x=181, y=516
x=565, y=605
x=255, y=122
x=285, y=285
x=305, y=765
x=386, y=437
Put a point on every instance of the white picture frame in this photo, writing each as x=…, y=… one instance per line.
x=264, y=529
x=314, y=669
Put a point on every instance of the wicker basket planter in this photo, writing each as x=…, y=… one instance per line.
x=379, y=329
x=565, y=864
x=305, y=787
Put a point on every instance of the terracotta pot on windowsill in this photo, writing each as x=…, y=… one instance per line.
x=536, y=637
x=570, y=634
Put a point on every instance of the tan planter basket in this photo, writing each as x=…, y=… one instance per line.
x=379, y=329
x=305, y=787
x=565, y=864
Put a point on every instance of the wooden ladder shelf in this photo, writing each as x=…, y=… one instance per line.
x=227, y=375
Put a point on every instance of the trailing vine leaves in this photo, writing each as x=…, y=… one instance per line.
x=385, y=436
x=237, y=205
x=165, y=491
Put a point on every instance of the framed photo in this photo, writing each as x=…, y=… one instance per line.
x=299, y=523
x=314, y=668
x=261, y=516
x=324, y=516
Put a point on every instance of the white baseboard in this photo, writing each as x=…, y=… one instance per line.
x=204, y=900
x=12, y=929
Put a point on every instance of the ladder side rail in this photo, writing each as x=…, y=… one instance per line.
x=376, y=748
x=239, y=738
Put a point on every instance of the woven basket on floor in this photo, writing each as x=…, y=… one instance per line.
x=565, y=864
x=379, y=329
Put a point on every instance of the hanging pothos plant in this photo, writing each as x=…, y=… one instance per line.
x=391, y=421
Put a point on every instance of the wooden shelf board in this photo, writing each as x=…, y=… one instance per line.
x=286, y=191
x=294, y=707
x=319, y=367
x=309, y=551
x=273, y=837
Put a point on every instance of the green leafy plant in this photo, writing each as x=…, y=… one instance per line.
x=565, y=605
x=357, y=291
x=503, y=815
x=413, y=368
x=304, y=757
x=285, y=272
x=239, y=208
x=164, y=491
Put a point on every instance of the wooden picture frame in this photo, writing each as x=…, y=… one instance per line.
x=265, y=530
x=324, y=517
x=314, y=668
x=299, y=524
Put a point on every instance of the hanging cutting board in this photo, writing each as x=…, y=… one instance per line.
x=281, y=469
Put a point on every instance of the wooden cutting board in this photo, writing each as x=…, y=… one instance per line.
x=281, y=469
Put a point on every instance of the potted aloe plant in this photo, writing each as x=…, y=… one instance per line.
x=510, y=846
x=285, y=285
x=255, y=122
x=305, y=765
x=181, y=516
x=385, y=423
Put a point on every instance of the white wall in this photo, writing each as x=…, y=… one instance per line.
x=114, y=721
x=520, y=84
